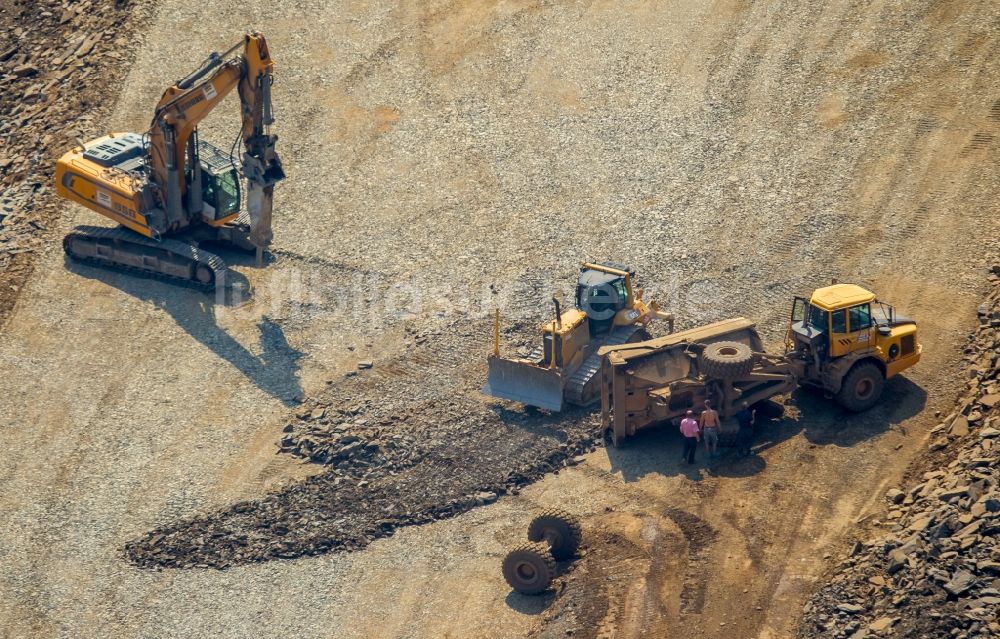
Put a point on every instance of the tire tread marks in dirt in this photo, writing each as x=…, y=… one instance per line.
x=615, y=588
x=699, y=535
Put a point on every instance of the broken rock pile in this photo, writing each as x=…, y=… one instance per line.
x=425, y=451
x=936, y=571
x=60, y=61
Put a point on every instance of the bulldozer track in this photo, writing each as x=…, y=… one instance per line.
x=577, y=385
x=124, y=237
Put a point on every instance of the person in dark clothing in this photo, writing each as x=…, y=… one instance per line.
x=744, y=436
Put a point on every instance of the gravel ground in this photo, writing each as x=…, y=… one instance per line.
x=927, y=565
x=734, y=154
x=55, y=59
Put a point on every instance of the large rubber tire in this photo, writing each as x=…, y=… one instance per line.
x=727, y=360
x=529, y=568
x=861, y=388
x=769, y=409
x=560, y=530
x=728, y=432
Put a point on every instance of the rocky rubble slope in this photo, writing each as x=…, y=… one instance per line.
x=934, y=571
x=424, y=450
x=61, y=62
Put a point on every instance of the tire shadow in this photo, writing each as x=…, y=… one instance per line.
x=530, y=604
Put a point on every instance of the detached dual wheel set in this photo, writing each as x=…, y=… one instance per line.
x=552, y=536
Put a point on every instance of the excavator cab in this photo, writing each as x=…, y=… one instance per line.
x=220, y=183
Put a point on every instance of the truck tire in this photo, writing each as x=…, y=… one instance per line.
x=560, y=530
x=729, y=430
x=727, y=360
x=529, y=568
x=861, y=388
x=769, y=409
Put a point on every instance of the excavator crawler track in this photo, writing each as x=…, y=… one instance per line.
x=169, y=260
x=581, y=389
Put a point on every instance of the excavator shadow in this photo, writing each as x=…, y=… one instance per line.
x=275, y=370
x=236, y=257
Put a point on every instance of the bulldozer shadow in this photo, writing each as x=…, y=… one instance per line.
x=275, y=370
x=824, y=423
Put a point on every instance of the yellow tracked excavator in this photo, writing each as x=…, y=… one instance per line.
x=564, y=368
x=169, y=190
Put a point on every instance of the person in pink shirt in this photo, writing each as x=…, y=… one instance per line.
x=692, y=435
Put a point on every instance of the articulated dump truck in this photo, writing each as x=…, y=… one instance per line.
x=841, y=340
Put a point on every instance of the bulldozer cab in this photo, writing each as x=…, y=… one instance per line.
x=603, y=290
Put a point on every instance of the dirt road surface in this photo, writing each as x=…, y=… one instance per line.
x=735, y=153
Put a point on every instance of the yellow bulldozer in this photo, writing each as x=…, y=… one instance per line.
x=841, y=340
x=608, y=311
x=169, y=190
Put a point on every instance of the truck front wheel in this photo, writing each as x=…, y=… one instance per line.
x=861, y=388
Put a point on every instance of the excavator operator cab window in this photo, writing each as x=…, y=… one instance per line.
x=220, y=183
x=221, y=191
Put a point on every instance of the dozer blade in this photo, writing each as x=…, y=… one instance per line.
x=521, y=381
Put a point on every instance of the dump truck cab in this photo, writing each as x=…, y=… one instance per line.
x=848, y=343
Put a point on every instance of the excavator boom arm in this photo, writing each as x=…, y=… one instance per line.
x=184, y=105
